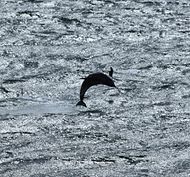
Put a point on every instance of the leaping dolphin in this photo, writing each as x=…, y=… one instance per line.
x=95, y=79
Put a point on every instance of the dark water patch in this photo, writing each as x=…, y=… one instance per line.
x=152, y=3
x=162, y=103
x=186, y=96
x=45, y=34
x=135, y=31
x=28, y=12
x=185, y=83
x=55, y=57
x=86, y=12
x=186, y=71
x=52, y=115
x=6, y=53
x=180, y=145
x=145, y=67
x=134, y=81
x=133, y=160
x=7, y=101
x=109, y=2
x=173, y=3
x=31, y=64
x=110, y=101
x=75, y=58
x=67, y=21
x=8, y=154
x=166, y=116
x=186, y=64
x=87, y=135
x=149, y=3
x=32, y=1
x=4, y=90
x=164, y=87
x=19, y=133
x=103, y=160
x=13, y=81
x=185, y=32
x=6, y=117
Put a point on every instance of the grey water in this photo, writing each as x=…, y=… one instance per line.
x=47, y=46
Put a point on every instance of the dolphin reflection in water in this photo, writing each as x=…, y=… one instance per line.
x=95, y=79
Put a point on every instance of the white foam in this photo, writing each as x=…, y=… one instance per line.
x=40, y=108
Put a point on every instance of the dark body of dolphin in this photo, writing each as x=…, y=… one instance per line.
x=94, y=79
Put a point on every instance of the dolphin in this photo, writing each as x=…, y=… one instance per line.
x=95, y=79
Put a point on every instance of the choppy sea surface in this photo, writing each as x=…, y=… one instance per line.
x=47, y=46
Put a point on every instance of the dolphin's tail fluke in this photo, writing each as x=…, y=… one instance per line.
x=81, y=103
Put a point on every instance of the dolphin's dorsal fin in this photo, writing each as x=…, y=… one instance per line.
x=111, y=72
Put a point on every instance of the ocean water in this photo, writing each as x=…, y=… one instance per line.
x=47, y=46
